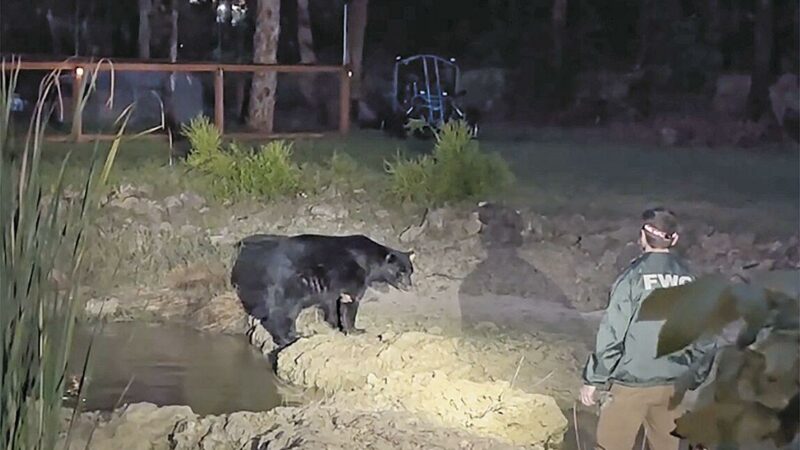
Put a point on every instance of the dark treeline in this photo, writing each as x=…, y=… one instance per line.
x=543, y=45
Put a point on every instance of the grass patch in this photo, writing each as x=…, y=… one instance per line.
x=456, y=171
x=237, y=171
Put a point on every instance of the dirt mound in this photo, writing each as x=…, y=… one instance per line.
x=427, y=375
x=318, y=425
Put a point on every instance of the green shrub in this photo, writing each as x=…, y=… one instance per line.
x=270, y=172
x=754, y=395
x=458, y=170
x=206, y=142
x=411, y=179
x=238, y=170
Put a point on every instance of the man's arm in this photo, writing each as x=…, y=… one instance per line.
x=611, y=334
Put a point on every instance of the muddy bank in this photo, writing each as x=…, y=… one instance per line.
x=318, y=425
x=484, y=352
x=566, y=259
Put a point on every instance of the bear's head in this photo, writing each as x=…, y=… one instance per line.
x=395, y=269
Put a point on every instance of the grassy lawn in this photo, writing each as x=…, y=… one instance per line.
x=557, y=171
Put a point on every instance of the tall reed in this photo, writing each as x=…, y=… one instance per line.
x=42, y=236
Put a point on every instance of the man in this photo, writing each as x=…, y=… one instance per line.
x=624, y=363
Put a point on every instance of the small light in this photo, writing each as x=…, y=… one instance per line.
x=452, y=60
x=397, y=58
x=79, y=72
x=350, y=73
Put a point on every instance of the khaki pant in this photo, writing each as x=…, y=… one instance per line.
x=631, y=407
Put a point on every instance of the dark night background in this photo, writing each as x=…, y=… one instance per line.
x=670, y=56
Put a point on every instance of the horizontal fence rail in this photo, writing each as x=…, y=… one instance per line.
x=79, y=69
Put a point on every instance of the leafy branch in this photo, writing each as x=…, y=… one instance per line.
x=753, y=395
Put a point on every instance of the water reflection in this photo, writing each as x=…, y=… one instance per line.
x=169, y=365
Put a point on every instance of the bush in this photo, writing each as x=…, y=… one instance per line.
x=237, y=171
x=755, y=393
x=456, y=171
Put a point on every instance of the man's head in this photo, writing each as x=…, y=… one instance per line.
x=659, y=230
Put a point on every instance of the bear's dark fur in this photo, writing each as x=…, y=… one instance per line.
x=276, y=277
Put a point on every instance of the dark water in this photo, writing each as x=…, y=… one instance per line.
x=168, y=365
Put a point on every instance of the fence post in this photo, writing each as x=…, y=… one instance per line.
x=219, y=100
x=77, y=114
x=344, y=100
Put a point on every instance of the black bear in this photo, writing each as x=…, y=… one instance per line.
x=277, y=276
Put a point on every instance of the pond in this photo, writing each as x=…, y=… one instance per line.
x=169, y=365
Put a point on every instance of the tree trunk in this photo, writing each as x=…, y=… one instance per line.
x=173, y=41
x=55, y=36
x=713, y=23
x=144, y=28
x=265, y=51
x=305, y=44
x=173, y=35
x=356, y=27
x=644, y=32
x=559, y=17
x=758, y=98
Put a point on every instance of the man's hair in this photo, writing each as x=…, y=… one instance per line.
x=659, y=225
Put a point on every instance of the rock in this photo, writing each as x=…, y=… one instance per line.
x=192, y=200
x=716, y=244
x=140, y=426
x=189, y=230
x=128, y=203
x=596, y=244
x=329, y=212
x=102, y=308
x=472, y=226
x=437, y=219
x=165, y=227
x=172, y=204
x=129, y=190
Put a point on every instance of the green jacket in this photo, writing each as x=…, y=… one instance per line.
x=625, y=351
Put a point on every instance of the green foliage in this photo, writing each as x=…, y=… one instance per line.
x=206, y=142
x=268, y=172
x=456, y=171
x=754, y=395
x=43, y=240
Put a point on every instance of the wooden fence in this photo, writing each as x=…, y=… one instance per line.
x=79, y=70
